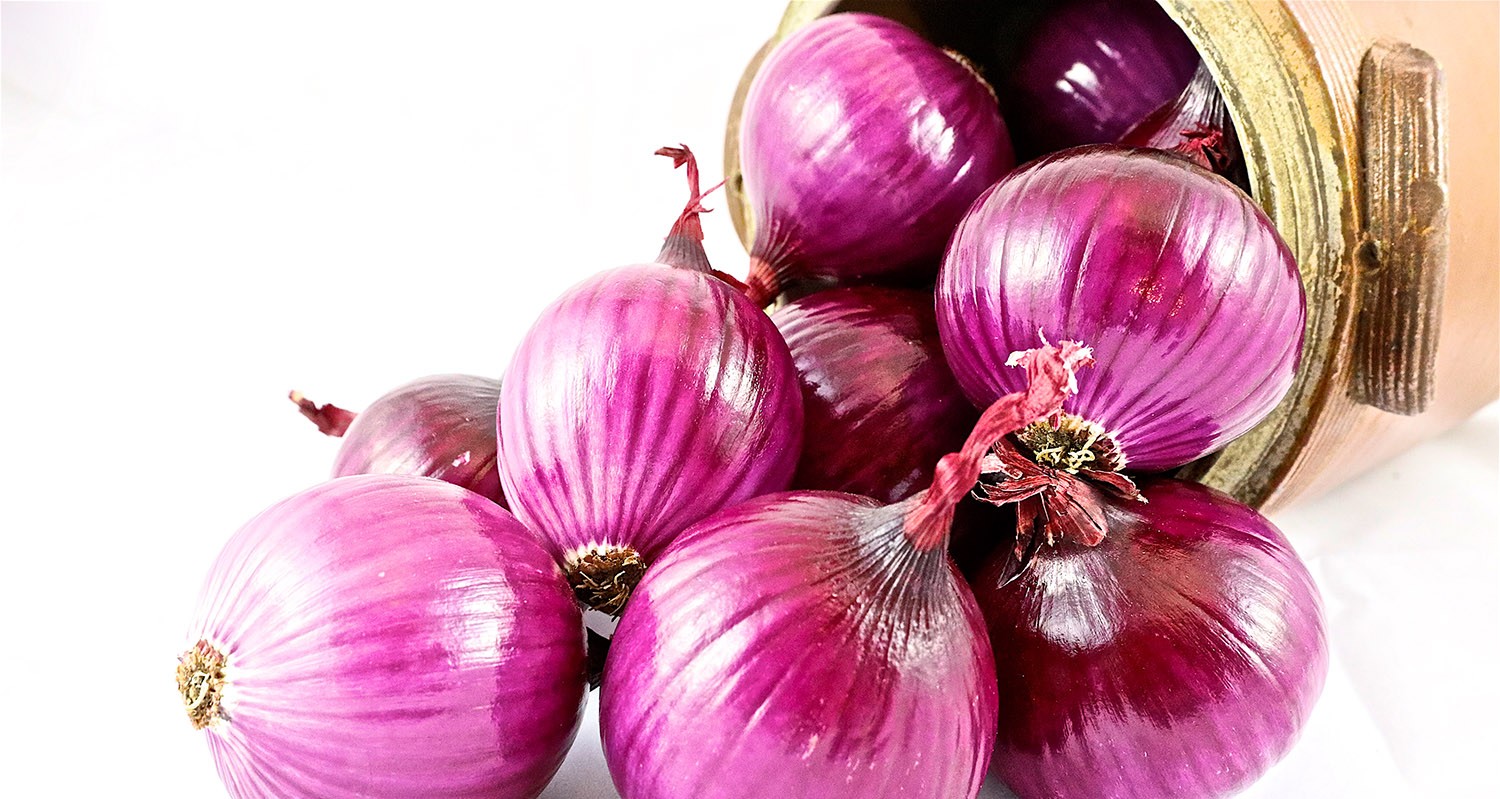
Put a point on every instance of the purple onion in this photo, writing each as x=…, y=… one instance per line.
x=1090, y=70
x=814, y=644
x=383, y=636
x=1189, y=298
x=441, y=426
x=879, y=402
x=1178, y=658
x=826, y=656
x=1195, y=126
x=861, y=146
x=642, y=400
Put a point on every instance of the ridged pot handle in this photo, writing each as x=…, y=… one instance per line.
x=1402, y=258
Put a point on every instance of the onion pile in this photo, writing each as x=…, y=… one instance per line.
x=944, y=593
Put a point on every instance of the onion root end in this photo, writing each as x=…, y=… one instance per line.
x=1070, y=443
x=604, y=578
x=201, y=680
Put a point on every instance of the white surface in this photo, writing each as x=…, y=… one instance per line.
x=204, y=207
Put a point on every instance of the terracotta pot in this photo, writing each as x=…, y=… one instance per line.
x=1369, y=131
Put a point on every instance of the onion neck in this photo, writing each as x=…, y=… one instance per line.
x=683, y=246
x=201, y=681
x=330, y=419
x=1050, y=372
x=1195, y=126
x=603, y=578
x=762, y=285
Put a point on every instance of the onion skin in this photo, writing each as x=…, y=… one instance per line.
x=642, y=400
x=441, y=426
x=1191, y=301
x=861, y=145
x=390, y=637
x=1178, y=658
x=880, y=404
x=1091, y=70
x=795, y=646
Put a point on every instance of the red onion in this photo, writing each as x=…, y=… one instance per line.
x=1179, y=657
x=880, y=404
x=861, y=146
x=642, y=400
x=383, y=636
x=1196, y=126
x=1090, y=70
x=441, y=426
x=814, y=644
x=1190, y=299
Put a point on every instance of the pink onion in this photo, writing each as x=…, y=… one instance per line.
x=642, y=400
x=383, y=636
x=814, y=644
x=1190, y=299
x=861, y=146
x=1089, y=70
x=1179, y=657
x=880, y=404
x=441, y=426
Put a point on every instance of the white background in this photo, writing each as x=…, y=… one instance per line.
x=206, y=207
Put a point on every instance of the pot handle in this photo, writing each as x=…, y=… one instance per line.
x=1402, y=258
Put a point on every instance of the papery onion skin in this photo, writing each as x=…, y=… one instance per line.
x=1178, y=658
x=1090, y=70
x=861, y=146
x=1191, y=301
x=440, y=426
x=391, y=636
x=879, y=402
x=796, y=646
x=642, y=400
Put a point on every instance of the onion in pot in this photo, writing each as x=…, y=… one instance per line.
x=879, y=402
x=815, y=644
x=1191, y=301
x=441, y=426
x=1195, y=126
x=1090, y=70
x=861, y=145
x=1179, y=657
x=645, y=398
x=385, y=636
